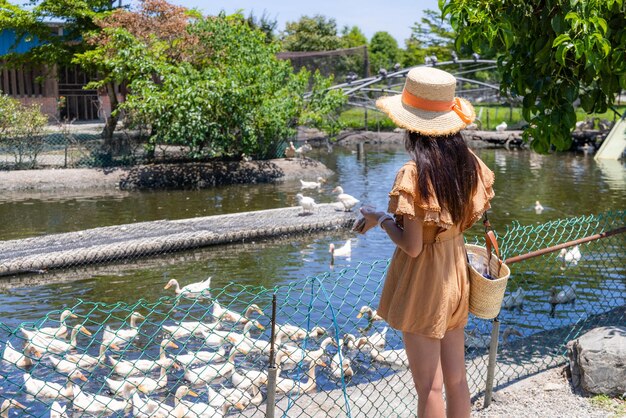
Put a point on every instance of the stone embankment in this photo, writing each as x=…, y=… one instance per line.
x=163, y=176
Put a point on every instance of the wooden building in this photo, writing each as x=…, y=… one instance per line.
x=59, y=90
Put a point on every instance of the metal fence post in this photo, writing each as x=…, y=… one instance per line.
x=491, y=366
x=272, y=370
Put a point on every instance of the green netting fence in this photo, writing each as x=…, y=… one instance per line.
x=205, y=351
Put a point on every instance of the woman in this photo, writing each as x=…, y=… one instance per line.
x=438, y=194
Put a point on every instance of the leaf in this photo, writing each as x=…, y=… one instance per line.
x=560, y=39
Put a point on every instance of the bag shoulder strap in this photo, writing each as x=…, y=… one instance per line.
x=491, y=242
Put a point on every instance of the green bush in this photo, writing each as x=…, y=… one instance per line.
x=21, y=131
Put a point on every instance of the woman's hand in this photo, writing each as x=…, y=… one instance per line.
x=370, y=215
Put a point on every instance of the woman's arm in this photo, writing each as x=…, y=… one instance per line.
x=409, y=239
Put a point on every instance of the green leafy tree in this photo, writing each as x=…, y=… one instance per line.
x=265, y=24
x=317, y=33
x=21, y=131
x=384, y=51
x=352, y=36
x=240, y=100
x=432, y=35
x=552, y=53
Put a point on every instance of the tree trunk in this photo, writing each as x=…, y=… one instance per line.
x=109, y=128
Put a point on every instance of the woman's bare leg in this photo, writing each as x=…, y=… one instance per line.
x=454, y=374
x=424, y=360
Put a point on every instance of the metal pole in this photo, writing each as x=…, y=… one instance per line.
x=491, y=366
x=272, y=371
x=558, y=247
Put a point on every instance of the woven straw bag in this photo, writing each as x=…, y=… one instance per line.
x=486, y=294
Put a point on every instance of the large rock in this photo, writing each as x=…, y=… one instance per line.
x=598, y=361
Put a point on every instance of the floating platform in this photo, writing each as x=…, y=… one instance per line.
x=123, y=242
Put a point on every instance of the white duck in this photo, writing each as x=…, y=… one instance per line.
x=345, y=199
x=312, y=184
x=20, y=359
x=290, y=151
x=134, y=367
x=340, y=364
x=296, y=355
x=514, y=299
x=6, y=406
x=122, y=336
x=144, y=384
x=290, y=386
x=569, y=256
x=235, y=397
x=377, y=339
x=245, y=379
x=218, y=337
x=295, y=333
x=186, y=328
x=307, y=203
x=371, y=313
x=473, y=339
x=249, y=345
x=195, y=357
x=152, y=409
x=61, y=331
x=566, y=295
x=192, y=290
x=395, y=357
x=87, y=362
x=63, y=366
x=44, y=389
x=45, y=344
x=508, y=331
x=344, y=251
x=538, y=208
x=210, y=410
x=501, y=127
x=206, y=374
x=58, y=411
x=97, y=404
x=224, y=314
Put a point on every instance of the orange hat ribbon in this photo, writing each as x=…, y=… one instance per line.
x=436, y=105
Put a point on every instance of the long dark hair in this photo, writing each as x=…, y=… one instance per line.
x=445, y=168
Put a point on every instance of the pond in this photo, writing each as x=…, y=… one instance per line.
x=565, y=184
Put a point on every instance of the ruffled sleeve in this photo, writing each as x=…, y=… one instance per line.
x=405, y=200
x=482, y=196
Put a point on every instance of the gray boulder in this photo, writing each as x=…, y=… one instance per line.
x=597, y=361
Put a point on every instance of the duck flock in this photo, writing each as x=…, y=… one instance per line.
x=213, y=366
x=345, y=201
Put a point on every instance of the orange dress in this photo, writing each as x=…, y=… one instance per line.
x=429, y=294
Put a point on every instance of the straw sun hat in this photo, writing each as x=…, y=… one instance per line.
x=427, y=104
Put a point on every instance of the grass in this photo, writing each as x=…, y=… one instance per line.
x=616, y=406
x=490, y=117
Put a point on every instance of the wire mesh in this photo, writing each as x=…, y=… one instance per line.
x=203, y=351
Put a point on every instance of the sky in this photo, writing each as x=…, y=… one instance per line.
x=395, y=17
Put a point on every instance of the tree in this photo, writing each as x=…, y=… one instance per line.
x=317, y=33
x=432, y=35
x=352, y=37
x=384, y=51
x=232, y=96
x=54, y=49
x=265, y=24
x=552, y=53
x=154, y=21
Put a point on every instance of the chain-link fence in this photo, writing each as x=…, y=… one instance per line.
x=205, y=351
